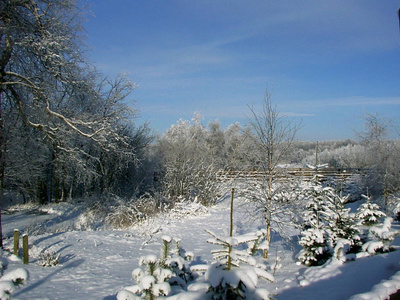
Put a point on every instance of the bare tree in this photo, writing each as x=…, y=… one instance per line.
x=382, y=156
x=188, y=162
x=53, y=96
x=274, y=136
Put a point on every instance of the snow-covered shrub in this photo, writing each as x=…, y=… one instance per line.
x=315, y=239
x=183, y=209
x=259, y=244
x=177, y=263
x=49, y=258
x=151, y=280
x=124, y=214
x=11, y=280
x=380, y=237
x=235, y=273
x=315, y=247
x=237, y=283
x=368, y=214
x=330, y=229
x=93, y=216
x=342, y=228
x=188, y=162
x=156, y=275
x=341, y=250
x=119, y=213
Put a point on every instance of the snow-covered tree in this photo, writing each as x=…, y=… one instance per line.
x=178, y=263
x=342, y=223
x=273, y=137
x=343, y=231
x=315, y=240
x=315, y=247
x=234, y=274
x=381, y=156
x=151, y=280
x=189, y=170
x=284, y=208
x=155, y=276
x=380, y=237
x=368, y=213
x=76, y=125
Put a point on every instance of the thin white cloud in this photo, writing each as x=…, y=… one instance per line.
x=350, y=101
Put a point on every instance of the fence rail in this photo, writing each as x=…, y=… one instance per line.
x=285, y=174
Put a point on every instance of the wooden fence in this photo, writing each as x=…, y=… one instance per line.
x=286, y=174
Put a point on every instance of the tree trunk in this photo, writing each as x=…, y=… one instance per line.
x=268, y=236
x=230, y=231
x=2, y=169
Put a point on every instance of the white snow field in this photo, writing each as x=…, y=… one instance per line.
x=98, y=264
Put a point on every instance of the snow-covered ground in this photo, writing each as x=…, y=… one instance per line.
x=98, y=264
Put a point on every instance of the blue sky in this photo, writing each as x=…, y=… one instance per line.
x=327, y=63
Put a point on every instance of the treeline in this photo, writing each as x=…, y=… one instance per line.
x=66, y=130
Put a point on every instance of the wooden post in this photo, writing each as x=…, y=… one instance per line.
x=231, y=224
x=16, y=242
x=25, y=249
x=228, y=267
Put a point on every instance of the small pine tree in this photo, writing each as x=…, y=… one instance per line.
x=151, y=278
x=315, y=248
x=315, y=240
x=368, y=214
x=342, y=226
x=260, y=244
x=380, y=237
x=234, y=274
x=155, y=275
x=178, y=264
x=165, y=249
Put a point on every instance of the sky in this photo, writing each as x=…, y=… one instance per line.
x=325, y=63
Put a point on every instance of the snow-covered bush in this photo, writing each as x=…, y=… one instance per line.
x=177, y=262
x=119, y=213
x=49, y=258
x=188, y=162
x=156, y=275
x=10, y=280
x=235, y=273
x=368, y=214
x=315, y=239
x=341, y=250
x=315, y=247
x=260, y=244
x=380, y=237
x=342, y=227
x=237, y=283
x=151, y=280
x=126, y=213
x=330, y=228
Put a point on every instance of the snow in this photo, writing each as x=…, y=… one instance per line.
x=20, y=273
x=382, y=290
x=99, y=264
